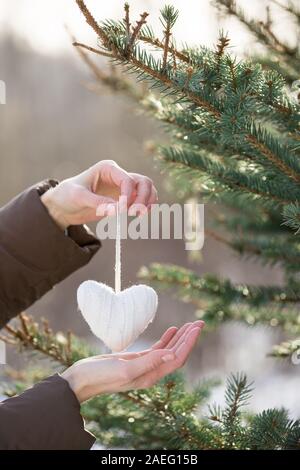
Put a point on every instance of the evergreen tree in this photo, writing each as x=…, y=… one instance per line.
x=234, y=141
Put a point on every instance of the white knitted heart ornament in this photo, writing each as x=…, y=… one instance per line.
x=117, y=317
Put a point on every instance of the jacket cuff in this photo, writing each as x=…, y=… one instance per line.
x=44, y=417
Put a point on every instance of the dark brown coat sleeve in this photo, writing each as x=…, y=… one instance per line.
x=44, y=417
x=35, y=255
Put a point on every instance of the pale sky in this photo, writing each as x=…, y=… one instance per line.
x=41, y=22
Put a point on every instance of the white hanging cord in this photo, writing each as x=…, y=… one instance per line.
x=118, y=251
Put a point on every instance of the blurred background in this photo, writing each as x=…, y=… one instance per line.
x=53, y=126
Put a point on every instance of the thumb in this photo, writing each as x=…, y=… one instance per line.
x=149, y=362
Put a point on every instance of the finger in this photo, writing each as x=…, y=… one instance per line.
x=128, y=190
x=186, y=347
x=160, y=344
x=178, y=334
x=199, y=324
x=153, y=197
x=186, y=327
x=143, y=188
x=125, y=182
x=165, y=339
x=149, y=379
x=147, y=363
x=113, y=174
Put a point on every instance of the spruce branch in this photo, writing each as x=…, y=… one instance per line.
x=138, y=61
x=222, y=44
x=279, y=55
x=233, y=75
x=265, y=248
x=291, y=215
x=176, y=276
x=169, y=84
x=136, y=31
x=237, y=394
x=287, y=349
x=271, y=250
x=270, y=429
x=267, y=152
x=262, y=30
x=91, y=49
x=112, y=79
x=168, y=19
x=127, y=20
x=161, y=45
x=230, y=178
x=277, y=44
x=220, y=300
x=290, y=8
x=273, y=429
x=92, y=22
x=29, y=334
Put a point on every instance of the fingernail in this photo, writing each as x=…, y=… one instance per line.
x=200, y=323
x=168, y=357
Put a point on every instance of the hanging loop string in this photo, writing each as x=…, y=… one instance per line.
x=118, y=251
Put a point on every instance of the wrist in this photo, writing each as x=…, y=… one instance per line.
x=48, y=199
x=75, y=383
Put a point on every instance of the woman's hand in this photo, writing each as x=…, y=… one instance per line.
x=75, y=201
x=127, y=371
